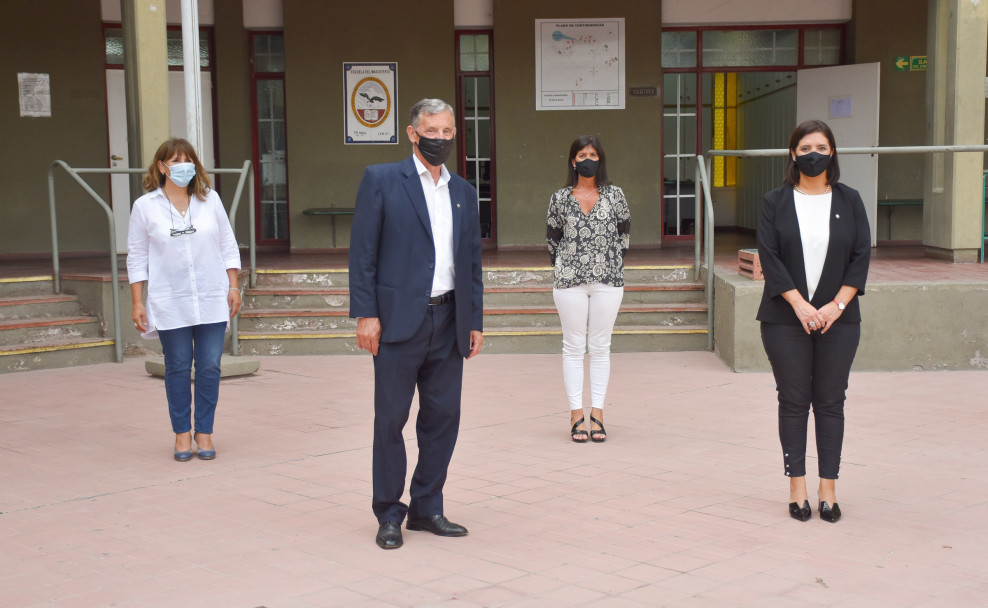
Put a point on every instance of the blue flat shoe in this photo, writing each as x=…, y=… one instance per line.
x=184, y=456
x=203, y=454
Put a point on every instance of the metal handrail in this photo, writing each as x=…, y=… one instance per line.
x=114, y=273
x=703, y=173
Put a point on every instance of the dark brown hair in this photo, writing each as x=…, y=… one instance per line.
x=578, y=144
x=168, y=150
x=805, y=128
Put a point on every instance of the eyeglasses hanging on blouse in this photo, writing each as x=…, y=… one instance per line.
x=190, y=229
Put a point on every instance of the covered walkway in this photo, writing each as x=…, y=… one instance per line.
x=683, y=506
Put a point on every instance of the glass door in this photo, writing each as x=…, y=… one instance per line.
x=679, y=146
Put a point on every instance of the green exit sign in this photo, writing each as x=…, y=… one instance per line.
x=913, y=63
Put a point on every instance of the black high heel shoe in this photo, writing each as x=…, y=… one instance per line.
x=829, y=513
x=802, y=513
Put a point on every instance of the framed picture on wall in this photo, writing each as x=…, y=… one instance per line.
x=371, y=99
x=579, y=64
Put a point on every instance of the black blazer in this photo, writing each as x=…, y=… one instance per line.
x=780, y=251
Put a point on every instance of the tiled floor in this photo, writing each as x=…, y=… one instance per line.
x=683, y=506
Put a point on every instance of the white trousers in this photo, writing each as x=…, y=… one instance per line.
x=587, y=314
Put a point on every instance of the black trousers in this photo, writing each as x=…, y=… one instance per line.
x=811, y=370
x=430, y=361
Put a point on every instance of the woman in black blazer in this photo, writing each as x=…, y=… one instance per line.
x=814, y=244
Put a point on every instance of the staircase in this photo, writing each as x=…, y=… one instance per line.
x=304, y=312
x=40, y=330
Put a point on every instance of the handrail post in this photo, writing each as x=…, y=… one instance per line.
x=708, y=234
x=114, y=274
x=56, y=270
x=252, y=278
x=700, y=219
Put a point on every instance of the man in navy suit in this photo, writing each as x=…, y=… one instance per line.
x=417, y=293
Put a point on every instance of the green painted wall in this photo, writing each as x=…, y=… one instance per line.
x=232, y=94
x=882, y=30
x=532, y=146
x=319, y=37
x=65, y=41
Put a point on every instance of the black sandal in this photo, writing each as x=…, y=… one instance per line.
x=600, y=432
x=579, y=435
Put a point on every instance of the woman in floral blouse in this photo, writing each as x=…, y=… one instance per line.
x=587, y=227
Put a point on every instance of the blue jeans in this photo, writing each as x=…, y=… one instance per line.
x=204, y=345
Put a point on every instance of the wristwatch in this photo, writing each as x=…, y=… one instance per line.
x=840, y=305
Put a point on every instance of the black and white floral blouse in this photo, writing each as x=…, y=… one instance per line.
x=588, y=248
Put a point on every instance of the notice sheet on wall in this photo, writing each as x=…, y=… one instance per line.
x=34, y=93
x=579, y=64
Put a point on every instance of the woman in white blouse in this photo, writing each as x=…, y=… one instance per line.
x=181, y=245
x=588, y=228
x=814, y=244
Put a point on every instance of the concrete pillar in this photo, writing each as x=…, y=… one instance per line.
x=146, y=65
x=955, y=110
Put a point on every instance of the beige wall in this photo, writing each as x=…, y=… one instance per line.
x=532, y=146
x=65, y=41
x=322, y=171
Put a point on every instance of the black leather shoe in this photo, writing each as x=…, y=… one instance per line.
x=829, y=513
x=389, y=535
x=437, y=524
x=802, y=513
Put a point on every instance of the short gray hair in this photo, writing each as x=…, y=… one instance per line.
x=429, y=106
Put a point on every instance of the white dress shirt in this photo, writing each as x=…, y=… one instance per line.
x=441, y=218
x=813, y=215
x=187, y=275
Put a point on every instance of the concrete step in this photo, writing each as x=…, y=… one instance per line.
x=23, y=286
x=56, y=353
x=35, y=306
x=261, y=298
x=652, y=315
x=500, y=340
x=628, y=339
x=640, y=293
x=304, y=278
x=44, y=330
x=324, y=278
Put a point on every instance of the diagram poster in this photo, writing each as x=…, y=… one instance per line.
x=370, y=103
x=579, y=64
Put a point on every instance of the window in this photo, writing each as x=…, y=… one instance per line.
x=475, y=123
x=270, y=145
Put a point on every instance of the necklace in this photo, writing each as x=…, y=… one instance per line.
x=181, y=212
x=805, y=194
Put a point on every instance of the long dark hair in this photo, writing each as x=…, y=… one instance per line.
x=578, y=144
x=805, y=128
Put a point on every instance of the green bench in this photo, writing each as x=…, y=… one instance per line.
x=332, y=212
x=892, y=203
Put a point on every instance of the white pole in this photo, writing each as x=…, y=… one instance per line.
x=193, y=83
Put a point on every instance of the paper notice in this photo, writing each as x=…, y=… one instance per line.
x=35, y=94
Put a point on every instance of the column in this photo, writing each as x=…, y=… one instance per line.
x=955, y=104
x=146, y=65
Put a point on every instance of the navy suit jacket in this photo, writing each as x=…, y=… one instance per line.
x=393, y=258
x=780, y=251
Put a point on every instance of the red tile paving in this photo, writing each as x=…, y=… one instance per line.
x=683, y=506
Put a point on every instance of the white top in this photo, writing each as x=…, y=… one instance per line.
x=186, y=274
x=441, y=218
x=813, y=215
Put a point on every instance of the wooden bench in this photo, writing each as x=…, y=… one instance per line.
x=893, y=203
x=332, y=212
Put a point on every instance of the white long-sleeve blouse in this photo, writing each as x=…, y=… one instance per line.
x=186, y=274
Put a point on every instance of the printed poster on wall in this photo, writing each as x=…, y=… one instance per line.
x=371, y=116
x=579, y=64
x=34, y=94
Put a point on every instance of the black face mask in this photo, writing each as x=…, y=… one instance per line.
x=435, y=151
x=588, y=168
x=813, y=164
